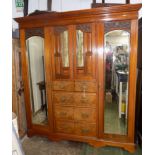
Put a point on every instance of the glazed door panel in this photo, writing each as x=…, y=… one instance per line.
x=61, y=52
x=84, y=51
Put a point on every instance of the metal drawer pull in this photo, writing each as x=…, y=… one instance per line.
x=84, y=115
x=84, y=87
x=84, y=99
x=63, y=99
x=85, y=131
x=63, y=113
x=62, y=86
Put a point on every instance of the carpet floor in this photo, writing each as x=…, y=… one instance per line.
x=42, y=146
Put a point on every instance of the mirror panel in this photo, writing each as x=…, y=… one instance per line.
x=80, y=53
x=64, y=49
x=37, y=85
x=84, y=51
x=116, y=53
x=61, y=53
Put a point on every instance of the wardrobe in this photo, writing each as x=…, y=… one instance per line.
x=79, y=74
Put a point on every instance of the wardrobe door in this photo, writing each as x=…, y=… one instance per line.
x=61, y=53
x=34, y=76
x=117, y=78
x=84, y=51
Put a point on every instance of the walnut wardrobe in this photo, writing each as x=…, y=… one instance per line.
x=79, y=74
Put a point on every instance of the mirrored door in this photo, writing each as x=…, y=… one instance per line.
x=116, y=54
x=36, y=75
x=114, y=51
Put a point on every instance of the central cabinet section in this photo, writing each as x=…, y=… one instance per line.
x=74, y=83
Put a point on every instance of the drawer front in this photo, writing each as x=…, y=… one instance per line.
x=65, y=113
x=63, y=98
x=85, y=86
x=85, y=114
x=85, y=129
x=63, y=85
x=85, y=99
x=64, y=127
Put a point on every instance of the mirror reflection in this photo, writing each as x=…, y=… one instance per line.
x=35, y=60
x=116, y=81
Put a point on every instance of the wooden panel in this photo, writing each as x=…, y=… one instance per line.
x=85, y=114
x=18, y=106
x=63, y=85
x=25, y=79
x=62, y=98
x=100, y=41
x=64, y=127
x=85, y=129
x=88, y=53
x=132, y=80
x=65, y=113
x=84, y=100
x=85, y=86
x=48, y=75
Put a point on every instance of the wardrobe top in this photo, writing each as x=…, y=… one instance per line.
x=118, y=12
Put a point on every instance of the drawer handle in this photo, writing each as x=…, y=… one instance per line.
x=84, y=115
x=85, y=131
x=63, y=99
x=63, y=113
x=62, y=86
x=84, y=86
x=84, y=100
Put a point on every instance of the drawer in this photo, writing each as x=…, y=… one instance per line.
x=85, y=114
x=85, y=86
x=85, y=129
x=64, y=127
x=65, y=113
x=63, y=98
x=87, y=99
x=63, y=85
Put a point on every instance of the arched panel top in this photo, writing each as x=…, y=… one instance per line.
x=34, y=32
x=117, y=25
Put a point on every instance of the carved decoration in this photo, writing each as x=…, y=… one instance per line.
x=84, y=27
x=38, y=12
x=59, y=29
x=120, y=25
x=34, y=32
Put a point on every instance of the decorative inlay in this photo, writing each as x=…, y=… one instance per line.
x=34, y=32
x=59, y=29
x=84, y=27
x=120, y=25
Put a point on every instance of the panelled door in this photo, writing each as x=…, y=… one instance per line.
x=117, y=79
